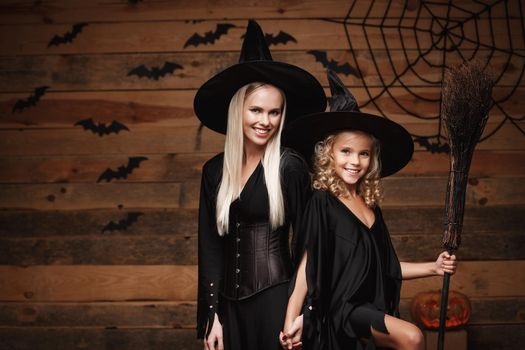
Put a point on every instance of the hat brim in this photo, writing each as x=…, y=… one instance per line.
x=304, y=94
x=397, y=146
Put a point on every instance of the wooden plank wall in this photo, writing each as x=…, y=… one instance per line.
x=70, y=279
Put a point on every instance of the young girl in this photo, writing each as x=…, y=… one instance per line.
x=350, y=274
x=250, y=195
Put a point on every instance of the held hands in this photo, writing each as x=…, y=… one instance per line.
x=446, y=263
x=214, y=339
x=291, y=338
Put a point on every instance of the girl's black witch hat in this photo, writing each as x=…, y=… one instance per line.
x=303, y=92
x=302, y=134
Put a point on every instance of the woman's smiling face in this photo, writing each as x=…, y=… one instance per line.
x=262, y=112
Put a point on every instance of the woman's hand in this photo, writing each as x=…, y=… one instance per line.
x=214, y=339
x=446, y=263
x=291, y=338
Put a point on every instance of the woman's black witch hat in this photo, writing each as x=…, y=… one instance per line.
x=304, y=94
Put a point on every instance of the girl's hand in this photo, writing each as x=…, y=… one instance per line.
x=291, y=339
x=214, y=340
x=446, y=263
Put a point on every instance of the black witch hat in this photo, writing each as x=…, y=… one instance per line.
x=397, y=146
x=303, y=92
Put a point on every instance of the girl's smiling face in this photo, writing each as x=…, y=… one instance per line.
x=351, y=154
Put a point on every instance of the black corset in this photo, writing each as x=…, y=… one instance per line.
x=255, y=259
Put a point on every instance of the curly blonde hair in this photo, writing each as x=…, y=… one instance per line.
x=326, y=179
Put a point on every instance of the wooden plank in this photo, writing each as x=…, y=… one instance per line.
x=98, y=339
x=183, y=222
x=178, y=283
x=484, y=164
x=431, y=191
x=474, y=246
x=476, y=279
x=485, y=311
x=321, y=34
x=501, y=337
x=73, y=169
x=165, y=250
x=98, y=283
x=155, y=140
x=56, y=11
x=138, y=141
x=175, y=108
x=63, y=110
x=176, y=223
x=477, y=220
x=187, y=166
x=111, y=72
x=111, y=314
x=161, y=250
x=90, y=196
x=400, y=191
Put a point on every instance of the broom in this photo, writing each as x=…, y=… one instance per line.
x=466, y=100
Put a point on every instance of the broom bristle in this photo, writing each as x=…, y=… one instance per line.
x=466, y=100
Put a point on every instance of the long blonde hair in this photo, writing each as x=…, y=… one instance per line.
x=325, y=177
x=230, y=186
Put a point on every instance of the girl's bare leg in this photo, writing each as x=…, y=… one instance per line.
x=403, y=335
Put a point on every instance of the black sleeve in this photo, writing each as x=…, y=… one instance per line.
x=210, y=253
x=296, y=179
x=319, y=247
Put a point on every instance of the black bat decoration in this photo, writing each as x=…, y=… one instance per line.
x=68, y=37
x=209, y=37
x=20, y=105
x=433, y=147
x=155, y=72
x=123, y=171
x=346, y=68
x=123, y=224
x=101, y=128
x=280, y=38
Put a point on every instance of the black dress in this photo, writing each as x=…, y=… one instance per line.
x=352, y=272
x=244, y=275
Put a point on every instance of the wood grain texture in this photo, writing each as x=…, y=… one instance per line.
x=181, y=315
x=96, y=314
x=179, y=222
x=322, y=34
x=98, y=283
x=87, y=169
x=91, y=196
x=61, y=11
x=179, y=283
x=501, y=337
x=165, y=140
x=400, y=191
x=174, y=108
x=94, y=72
x=182, y=167
x=98, y=339
x=166, y=250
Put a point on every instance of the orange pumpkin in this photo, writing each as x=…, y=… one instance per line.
x=425, y=309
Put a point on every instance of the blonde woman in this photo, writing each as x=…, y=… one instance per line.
x=350, y=274
x=250, y=195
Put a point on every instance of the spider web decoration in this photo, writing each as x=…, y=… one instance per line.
x=431, y=36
